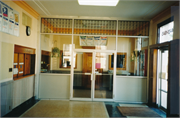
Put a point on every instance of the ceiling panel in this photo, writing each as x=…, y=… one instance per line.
x=124, y=9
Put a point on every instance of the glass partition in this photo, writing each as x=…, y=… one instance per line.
x=103, y=76
x=131, y=56
x=83, y=75
x=56, y=54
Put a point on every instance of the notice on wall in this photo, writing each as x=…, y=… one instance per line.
x=5, y=19
x=103, y=41
x=16, y=25
x=97, y=40
x=11, y=21
x=90, y=41
x=0, y=16
x=82, y=40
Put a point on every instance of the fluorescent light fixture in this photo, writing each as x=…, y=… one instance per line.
x=98, y=2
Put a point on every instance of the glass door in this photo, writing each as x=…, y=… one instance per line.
x=163, y=78
x=103, y=76
x=82, y=78
x=92, y=78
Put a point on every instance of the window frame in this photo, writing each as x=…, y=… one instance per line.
x=162, y=24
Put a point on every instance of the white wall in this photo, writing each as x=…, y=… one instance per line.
x=7, y=53
x=46, y=42
x=54, y=86
x=131, y=89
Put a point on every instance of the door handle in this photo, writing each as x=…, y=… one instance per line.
x=87, y=73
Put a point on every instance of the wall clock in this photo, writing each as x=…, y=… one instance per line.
x=28, y=30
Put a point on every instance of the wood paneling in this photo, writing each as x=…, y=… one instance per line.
x=87, y=68
x=22, y=49
x=21, y=65
x=45, y=53
x=27, y=64
x=25, y=59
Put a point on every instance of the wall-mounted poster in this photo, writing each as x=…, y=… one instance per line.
x=11, y=21
x=0, y=16
x=103, y=41
x=97, y=40
x=82, y=40
x=5, y=18
x=90, y=41
x=16, y=25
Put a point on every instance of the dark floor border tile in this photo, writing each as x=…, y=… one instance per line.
x=19, y=110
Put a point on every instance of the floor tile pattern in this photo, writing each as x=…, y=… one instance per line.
x=57, y=108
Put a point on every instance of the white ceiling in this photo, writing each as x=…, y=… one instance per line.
x=125, y=10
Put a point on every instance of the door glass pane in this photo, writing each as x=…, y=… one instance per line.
x=164, y=66
x=82, y=76
x=164, y=85
x=164, y=99
x=103, y=76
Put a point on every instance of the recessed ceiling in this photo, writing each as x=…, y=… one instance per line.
x=140, y=10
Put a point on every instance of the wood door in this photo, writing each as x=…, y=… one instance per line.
x=87, y=68
x=27, y=64
x=21, y=65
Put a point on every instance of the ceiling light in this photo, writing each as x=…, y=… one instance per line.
x=98, y=2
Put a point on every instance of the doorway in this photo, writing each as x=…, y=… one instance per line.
x=162, y=87
x=91, y=79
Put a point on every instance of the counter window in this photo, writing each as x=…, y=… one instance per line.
x=121, y=61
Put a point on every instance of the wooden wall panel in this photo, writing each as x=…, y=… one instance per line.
x=22, y=49
x=27, y=64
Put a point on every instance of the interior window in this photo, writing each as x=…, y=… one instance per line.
x=165, y=30
x=65, y=59
x=121, y=61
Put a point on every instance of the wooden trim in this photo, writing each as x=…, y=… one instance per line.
x=18, y=78
x=22, y=49
x=47, y=53
x=88, y=47
x=157, y=46
x=26, y=7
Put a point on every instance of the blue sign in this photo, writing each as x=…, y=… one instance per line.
x=5, y=11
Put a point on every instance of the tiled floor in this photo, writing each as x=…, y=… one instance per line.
x=57, y=108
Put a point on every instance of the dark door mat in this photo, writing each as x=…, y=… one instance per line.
x=138, y=112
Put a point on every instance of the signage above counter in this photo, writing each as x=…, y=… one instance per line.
x=92, y=41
